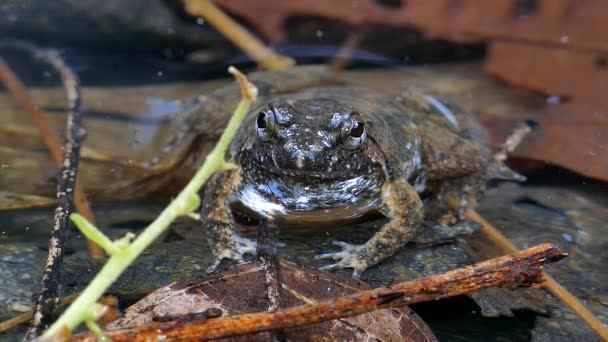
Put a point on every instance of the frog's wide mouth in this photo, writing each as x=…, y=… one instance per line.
x=306, y=174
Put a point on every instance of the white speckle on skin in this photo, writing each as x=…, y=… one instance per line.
x=445, y=111
x=302, y=200
x=417, y=161
x=252, y=199
x=300, y=161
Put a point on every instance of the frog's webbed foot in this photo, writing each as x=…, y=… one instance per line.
x=232, y=248
x=401, y=204
x=349, y=257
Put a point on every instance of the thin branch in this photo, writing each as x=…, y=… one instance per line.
x=550, y=283
x=238, y=35
x=26, y=316
x=268, y=232
x=48, y=296
x=344, y=56
x=266, y=251
x=519, y=269
x=18, y=90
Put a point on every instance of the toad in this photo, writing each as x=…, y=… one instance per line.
x=339, y=152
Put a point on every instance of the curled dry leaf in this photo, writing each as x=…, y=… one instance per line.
x=242, y=290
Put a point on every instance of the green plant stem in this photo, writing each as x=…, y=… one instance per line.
x=76, y=313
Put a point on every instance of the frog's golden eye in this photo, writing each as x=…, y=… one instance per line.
x=264, y=124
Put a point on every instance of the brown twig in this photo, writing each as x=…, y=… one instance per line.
x=18, y=90
x=266, y=251
x=344, y=55
x=519, y=269
x=46, y=301
x=268, y=232
x=238, y=35
x=26, y=316
x=550, y=283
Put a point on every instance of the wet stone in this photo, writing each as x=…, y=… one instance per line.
x=530, y=215
x=21, y=266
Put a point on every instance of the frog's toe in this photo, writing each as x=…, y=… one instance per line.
x=214, y=266
x=347, y=250
x=346, y=263
x=334, y=256
x=234, y=252
x=245, y=246
x=348, y=258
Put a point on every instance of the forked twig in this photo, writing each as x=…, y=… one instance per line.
x=123, y=251
x=519, y=269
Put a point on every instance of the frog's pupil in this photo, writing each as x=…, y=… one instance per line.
x=357, y=130
x=261, y=120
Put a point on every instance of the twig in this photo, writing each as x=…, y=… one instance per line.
x=519, y=269
x=48, y=296
x=18, y=90
x=550, y=283
x=26, y=316
x=267, y=256
x=344, y=55
x=514, y=140
x=266, y=251
x=238, y=35
x=122, y=251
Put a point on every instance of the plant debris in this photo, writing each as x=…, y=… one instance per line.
x=519, y=269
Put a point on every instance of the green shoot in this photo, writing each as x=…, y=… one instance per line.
x=122, y=252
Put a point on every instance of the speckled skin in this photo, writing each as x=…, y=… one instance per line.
x=344, y=150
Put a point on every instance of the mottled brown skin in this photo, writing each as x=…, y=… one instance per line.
x=346, y=150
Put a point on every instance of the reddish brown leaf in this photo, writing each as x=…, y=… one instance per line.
x=242, y=291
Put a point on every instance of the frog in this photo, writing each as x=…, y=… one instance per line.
x=337, y=152
x=408, y=147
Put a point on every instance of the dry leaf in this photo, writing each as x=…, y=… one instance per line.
x=242, y=290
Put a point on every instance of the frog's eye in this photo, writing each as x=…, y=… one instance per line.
x=357, y=129
x=356, y=135
x=264, y=123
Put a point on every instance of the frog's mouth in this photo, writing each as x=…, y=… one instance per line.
x=304, y=174
x=307, y=174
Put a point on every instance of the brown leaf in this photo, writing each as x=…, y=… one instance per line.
x=242, y=290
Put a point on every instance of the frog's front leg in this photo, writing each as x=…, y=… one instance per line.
x=401, y=204
x=218, y=221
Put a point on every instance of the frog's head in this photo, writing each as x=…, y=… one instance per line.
x=310, y=137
